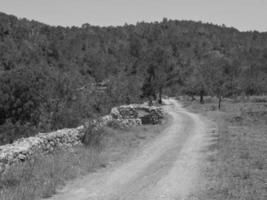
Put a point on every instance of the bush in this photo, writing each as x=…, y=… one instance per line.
x=21, y=95
x=114, y=124
x=36, y=100
x=9, y=132
x=93, y=135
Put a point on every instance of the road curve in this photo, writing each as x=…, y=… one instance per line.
x=166, y=168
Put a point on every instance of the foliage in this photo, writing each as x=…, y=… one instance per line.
x=50, y=76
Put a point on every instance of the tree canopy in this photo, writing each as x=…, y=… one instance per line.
x=43, y=68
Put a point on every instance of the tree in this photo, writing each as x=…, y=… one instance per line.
x=21, y=91
x=217, y=80
x=148, y=88
x=159, y=72
x=195, y=86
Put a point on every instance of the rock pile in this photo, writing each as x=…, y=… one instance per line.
x=137, y=114
x=123, y=116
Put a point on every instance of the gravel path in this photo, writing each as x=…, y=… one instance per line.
x=166, y=168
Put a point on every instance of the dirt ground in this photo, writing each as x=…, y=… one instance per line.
x=166, y=168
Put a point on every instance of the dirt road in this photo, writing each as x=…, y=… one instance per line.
x=167, y=168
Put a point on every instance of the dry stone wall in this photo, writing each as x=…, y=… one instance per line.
x=137, y=114
x=124, y=116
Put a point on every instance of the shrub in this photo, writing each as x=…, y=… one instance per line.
x=10, y=132
x=114, y=124
x=93, y=135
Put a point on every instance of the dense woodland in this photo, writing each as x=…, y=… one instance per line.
x=55, y=77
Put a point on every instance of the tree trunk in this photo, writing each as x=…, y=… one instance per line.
x=150, y=101
x=160, y=96
x=201, y=96
x=219, y=103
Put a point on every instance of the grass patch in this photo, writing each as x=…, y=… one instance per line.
x=40, y=177
x=236, y=167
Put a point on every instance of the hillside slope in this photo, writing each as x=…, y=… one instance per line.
x=49, y=76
